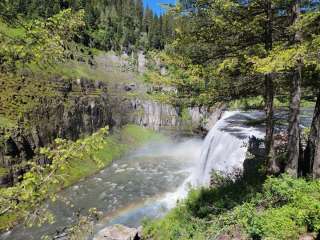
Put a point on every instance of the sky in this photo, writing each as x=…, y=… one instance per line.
x=154, y=5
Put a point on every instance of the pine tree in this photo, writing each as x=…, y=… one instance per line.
x=119, y=25
x=294, y=142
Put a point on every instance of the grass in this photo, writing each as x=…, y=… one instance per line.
x=114, y=78
x=307, y=104
x=244, y=207
x=75, y=70
x=247, y=103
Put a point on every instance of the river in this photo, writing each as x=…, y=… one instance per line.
x=147, y=182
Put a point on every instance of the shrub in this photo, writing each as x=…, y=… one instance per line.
x=284, y=208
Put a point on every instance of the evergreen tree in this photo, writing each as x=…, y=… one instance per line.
x=242, y=48
x=110, y=24
x=294, y=142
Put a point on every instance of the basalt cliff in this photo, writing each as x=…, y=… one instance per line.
x=79, y=107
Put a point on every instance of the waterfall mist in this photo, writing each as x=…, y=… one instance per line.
x=224, y=149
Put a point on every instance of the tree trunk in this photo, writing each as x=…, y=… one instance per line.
x=294, y=122
x=312, y=152
x=272, y=166
x=294, y=111
x=302, y=167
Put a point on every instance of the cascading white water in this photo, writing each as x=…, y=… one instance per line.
x=224, y=149
x=149, y=181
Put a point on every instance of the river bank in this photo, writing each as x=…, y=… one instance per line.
x=148, y=182
x=115, y=145
x=76, y=104
x=158, y=167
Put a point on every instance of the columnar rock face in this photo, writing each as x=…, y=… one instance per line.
x=154, y=115
x=206, y=118
x=81, y=107
x=157, y=115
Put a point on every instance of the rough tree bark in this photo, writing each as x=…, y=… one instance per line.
x=272, y=165
x=294, y=122
x=312, y=152
x=294, y=110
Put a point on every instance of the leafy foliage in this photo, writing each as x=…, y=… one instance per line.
x=284, y=209
x=39, y=182
x=220, y=51
x=82, y=229
x=229, y=50
x=43, y=42
x=70, y=162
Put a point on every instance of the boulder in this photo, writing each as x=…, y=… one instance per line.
x=307, y=236
x=118, y=232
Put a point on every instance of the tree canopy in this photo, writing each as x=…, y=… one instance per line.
x=123, y=25
x=226, y=50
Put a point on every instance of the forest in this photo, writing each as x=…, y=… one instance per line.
x=109, y=25
x=199, y=123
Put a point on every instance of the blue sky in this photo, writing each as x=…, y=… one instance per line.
x=154, y=4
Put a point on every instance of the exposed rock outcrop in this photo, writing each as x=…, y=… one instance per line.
x=80, y=107
x=118, y=232
x=206, y=118
x=157, y=115
x=153, y=115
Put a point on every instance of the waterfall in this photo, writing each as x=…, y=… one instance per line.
x=224, y=148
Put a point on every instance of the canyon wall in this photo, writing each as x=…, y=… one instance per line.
x=81, y=108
